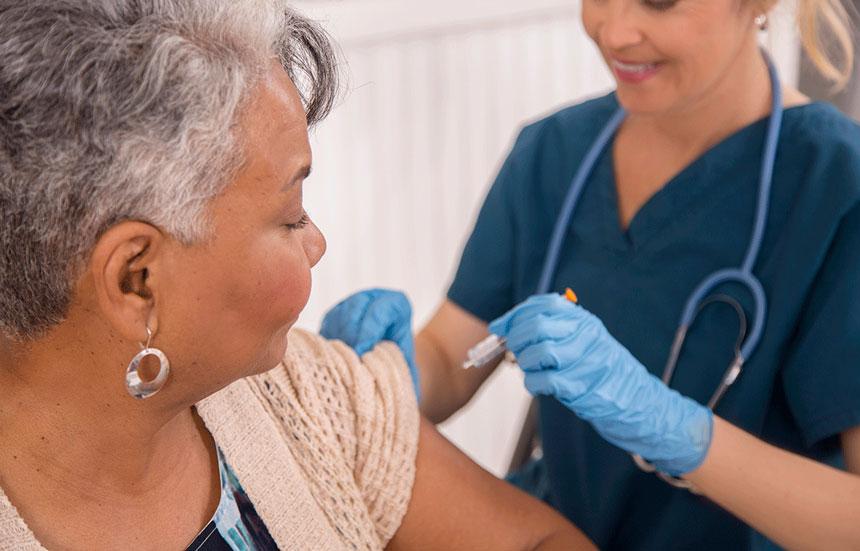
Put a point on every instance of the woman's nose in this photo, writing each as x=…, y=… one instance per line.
x=315, y=244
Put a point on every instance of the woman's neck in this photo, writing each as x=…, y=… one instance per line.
x=65, y=409
x=78, y=454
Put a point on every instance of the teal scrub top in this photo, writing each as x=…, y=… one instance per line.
x=801, y=387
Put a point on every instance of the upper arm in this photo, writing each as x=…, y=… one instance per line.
x=457, y=505
x=851, y=449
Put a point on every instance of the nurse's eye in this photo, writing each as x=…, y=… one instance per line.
x=303, y=221
x=660, y=5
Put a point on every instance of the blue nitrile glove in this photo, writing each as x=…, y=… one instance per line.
x=567, y=353
x=369, y=317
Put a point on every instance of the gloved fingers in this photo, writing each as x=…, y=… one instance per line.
x=541, y=383
x=389, y=318
x=552, y=383
x=394, y=311
x=334, y=327
x=380, y=322
x=344, y=320
x=345, y=313
x=574, y=351
x=367, y=317
x=533, y=306
x=395, y=314
x=573, y=332
x=401, y=334
x=542, y=356
x=554, y=327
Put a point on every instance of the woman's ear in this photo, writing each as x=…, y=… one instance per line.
x=124, y=267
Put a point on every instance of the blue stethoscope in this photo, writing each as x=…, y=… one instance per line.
x=698, y=300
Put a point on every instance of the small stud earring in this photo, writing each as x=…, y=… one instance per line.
x=761, y=22
x=137, y=387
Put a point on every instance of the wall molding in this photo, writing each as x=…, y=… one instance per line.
x=358, y=23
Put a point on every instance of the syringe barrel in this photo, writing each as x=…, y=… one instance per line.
x=485, y=351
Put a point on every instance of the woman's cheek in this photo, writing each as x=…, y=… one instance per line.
x=289, y=285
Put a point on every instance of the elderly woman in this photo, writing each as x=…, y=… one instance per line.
x=154, y=253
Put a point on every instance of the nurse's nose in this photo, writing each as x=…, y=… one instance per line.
x=619, y=28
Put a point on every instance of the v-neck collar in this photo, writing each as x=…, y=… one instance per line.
x=692, y=189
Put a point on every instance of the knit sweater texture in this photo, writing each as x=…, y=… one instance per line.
x=324, y=445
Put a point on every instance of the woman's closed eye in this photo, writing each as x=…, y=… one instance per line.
x=660, y=5
x=301, y=223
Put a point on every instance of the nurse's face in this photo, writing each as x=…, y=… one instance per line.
x=667, y=55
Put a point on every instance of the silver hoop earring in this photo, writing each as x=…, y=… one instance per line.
x=761, y=22
x=137, y=387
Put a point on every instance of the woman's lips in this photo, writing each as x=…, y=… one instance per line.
x=634, y=73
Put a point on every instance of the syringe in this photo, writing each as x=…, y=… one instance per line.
x=494, y=347
x=485, y=352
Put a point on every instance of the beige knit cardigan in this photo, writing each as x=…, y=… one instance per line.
x=324, y=445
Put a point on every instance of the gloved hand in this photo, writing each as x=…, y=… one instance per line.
x=567, y=353
x=368, y=317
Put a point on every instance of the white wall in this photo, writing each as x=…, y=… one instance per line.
x=437, y=91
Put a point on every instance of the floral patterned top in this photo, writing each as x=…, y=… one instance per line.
x=235, y=525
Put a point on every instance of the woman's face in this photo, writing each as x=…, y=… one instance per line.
x=229, y=302
x=666, y=55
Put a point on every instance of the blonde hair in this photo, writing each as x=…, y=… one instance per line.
x=826, y=35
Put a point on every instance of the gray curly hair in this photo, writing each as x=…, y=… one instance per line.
x=116, y=110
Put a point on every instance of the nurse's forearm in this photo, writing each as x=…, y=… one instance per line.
x=797, y=502
x=440, y=349
x=438, y=401
x=445, y=385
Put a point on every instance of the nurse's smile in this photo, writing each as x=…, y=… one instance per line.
x=634, y=73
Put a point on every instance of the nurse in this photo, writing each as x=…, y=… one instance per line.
x=672, y=198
